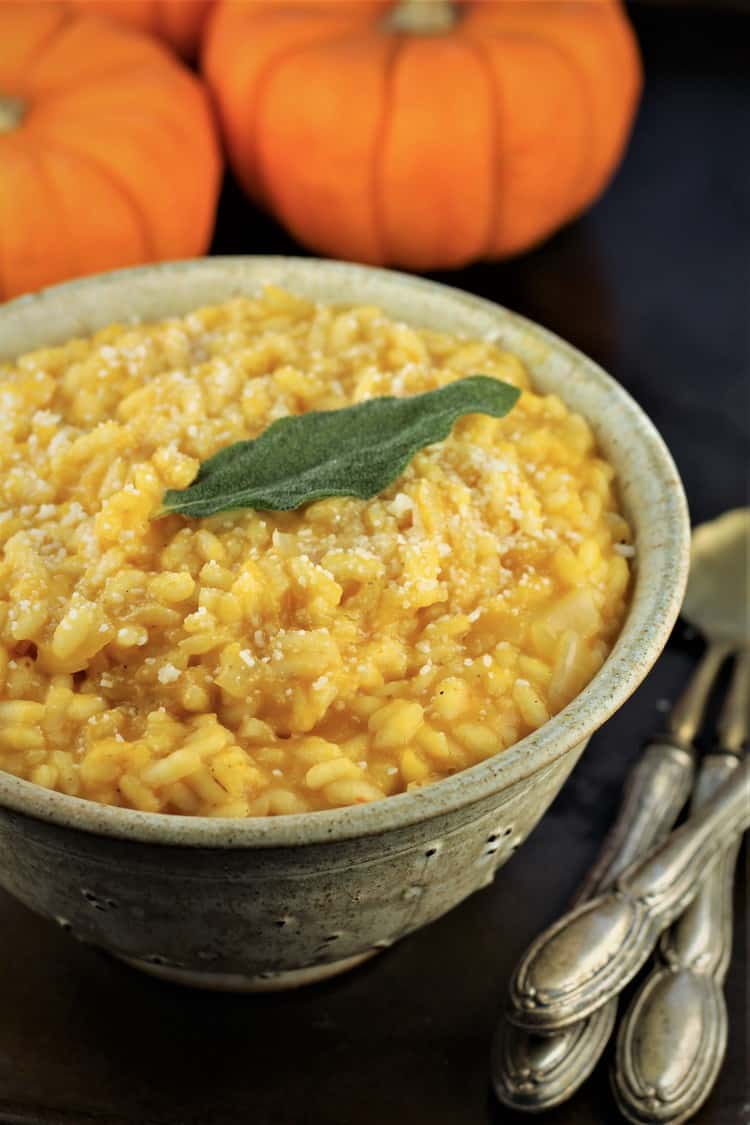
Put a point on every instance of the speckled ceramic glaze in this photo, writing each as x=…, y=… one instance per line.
x=269, y=903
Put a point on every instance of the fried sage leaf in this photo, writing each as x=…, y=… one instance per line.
x=356, y=451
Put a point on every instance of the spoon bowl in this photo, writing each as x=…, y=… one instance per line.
x=716, y=599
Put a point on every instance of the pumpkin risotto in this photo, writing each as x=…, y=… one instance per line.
x=260, y=663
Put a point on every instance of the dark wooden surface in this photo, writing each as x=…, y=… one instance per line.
x=655, y=284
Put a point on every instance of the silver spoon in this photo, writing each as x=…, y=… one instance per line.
x=672, y=1040
x=588, y=957
x=533, y=1071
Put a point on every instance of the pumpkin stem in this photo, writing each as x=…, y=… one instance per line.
x=11, y=113
x=423, y=17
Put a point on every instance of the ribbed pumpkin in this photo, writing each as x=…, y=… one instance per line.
x=108, y=150
x=178, y=22
x=423, y=134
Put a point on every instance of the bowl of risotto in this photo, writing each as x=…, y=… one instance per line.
x=251, y=749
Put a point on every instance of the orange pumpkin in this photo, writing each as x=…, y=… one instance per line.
x=178, y=22
x=424, y=134
x=108, y=150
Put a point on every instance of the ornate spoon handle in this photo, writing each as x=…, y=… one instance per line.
x=590, y=954
x=535, y=1072
x=672, y=1039
x=655, y=792
x=659, y=784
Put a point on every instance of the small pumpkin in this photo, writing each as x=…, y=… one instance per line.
x=423, y=134
x=108, y=149
x=178, y=22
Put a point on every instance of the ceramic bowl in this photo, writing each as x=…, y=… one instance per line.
x=269, y=903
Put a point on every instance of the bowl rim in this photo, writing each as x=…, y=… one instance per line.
x=638, y=645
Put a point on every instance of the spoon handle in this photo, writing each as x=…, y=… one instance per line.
x=659, y=783
x=656, y=790
x=672, y=1040
x=590, y=954
x=535, y=1072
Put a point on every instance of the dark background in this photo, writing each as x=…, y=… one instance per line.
x=654, y=283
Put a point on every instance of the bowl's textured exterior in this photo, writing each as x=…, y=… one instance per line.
x=268, y=903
